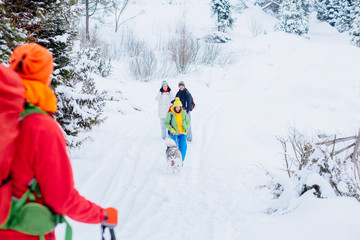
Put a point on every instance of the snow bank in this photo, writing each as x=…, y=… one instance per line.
x=331, y=219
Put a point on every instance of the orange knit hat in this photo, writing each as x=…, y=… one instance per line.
x=33, y=62
x=35, y=65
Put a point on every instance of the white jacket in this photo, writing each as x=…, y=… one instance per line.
x=164, y=100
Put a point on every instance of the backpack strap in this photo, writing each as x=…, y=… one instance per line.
x=61, y=219
x=30, y=109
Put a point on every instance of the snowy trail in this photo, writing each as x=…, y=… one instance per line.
x=216, y=195
x=208, y=199
x=277, y=81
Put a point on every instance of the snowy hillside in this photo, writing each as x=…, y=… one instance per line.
x=275, y=80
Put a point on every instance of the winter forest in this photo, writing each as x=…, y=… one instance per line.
x=276, y=126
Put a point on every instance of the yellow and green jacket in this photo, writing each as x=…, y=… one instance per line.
x=178, y=121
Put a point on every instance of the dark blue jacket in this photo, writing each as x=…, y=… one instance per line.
x=185, y=98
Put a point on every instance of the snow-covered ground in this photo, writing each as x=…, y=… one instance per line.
x=275, y=81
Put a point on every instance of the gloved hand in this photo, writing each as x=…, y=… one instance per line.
x=111, y=217
x=173, y=131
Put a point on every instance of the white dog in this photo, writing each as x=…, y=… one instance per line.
x=173, y=156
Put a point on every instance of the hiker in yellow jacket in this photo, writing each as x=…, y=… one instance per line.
x=178, y=123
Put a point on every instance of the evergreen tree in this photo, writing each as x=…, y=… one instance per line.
x=10, y=36
x=51, y=23
x=292, y=18
x=307, y=6
x=222, y=10
x=321, y=6
x=261, y=3
x=355, y=29
x=327, y=10
x=333, y=12
x=345, y=15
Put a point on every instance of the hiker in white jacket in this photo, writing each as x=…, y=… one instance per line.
x=164, y=97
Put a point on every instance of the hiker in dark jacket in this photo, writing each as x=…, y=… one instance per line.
x=186, y=100
x=185, y=97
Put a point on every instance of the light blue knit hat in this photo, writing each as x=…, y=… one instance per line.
x=164, y=83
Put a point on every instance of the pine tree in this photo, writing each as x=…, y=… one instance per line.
x=345, y=15
x=80, y=103
x=321, y=8
x=355, y=29
x=10, y=35
x=307, y=6
x=292, y=18
x=327, y=10
x=333, y=12
x=222, y=10
x=51, y=23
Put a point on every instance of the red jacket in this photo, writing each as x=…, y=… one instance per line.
x=41, y=153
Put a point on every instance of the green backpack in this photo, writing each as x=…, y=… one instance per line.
x=27, y=216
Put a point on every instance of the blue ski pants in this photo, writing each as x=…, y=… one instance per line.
x=181, y=142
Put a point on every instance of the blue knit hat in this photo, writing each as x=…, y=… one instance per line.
x=164, y=83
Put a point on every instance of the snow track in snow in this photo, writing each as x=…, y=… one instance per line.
x=276, y=82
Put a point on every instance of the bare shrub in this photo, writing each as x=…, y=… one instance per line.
x=225, y=58
x=329, y=167
x=255, y=26
x=126, y=45
x=135, y=48
x=143, y=66
x=301, y=150
x=165, y=69
x=210, y=53
x=184, y=48
x=129, y=45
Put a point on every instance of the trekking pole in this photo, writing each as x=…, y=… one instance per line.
x=111, y=230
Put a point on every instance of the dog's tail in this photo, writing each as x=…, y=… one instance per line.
x=170, y=142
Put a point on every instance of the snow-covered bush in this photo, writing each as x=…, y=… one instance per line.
x=143, y=66
x=320, y=167
x=94, y=63
x=184, y=48
x=217, y=37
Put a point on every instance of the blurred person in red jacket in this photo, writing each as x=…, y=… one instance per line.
x=41, y=148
